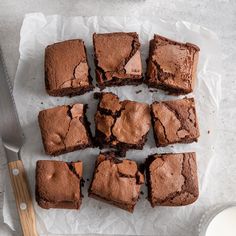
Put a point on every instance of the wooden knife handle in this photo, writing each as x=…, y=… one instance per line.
x=23, y=198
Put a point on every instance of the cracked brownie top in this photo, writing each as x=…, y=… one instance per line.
x=121, y=124
x=116, y=181
x=174, y=121
x=172, y=179
x=172, y=65
x=58, y=184
x=117, y=59
x=64, y=129
x=66, y=68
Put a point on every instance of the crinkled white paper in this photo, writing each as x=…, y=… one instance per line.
x=96, y=217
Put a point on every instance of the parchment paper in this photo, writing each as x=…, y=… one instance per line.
x=96, y=217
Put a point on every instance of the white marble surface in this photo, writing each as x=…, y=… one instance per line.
x=218, y=15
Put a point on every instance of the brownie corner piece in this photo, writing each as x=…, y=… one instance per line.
x=117, y=59
x=172, y=179
x=121, y=124
x=174, y=122
x=116, y=181
x=67, y=71
x=65, y=129
x=58, y=184
x=172, y=65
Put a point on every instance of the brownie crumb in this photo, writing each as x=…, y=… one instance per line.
x=208, y=131
x=142, y=192
x=139, y=91
x=42, y=103
x=87, y=179
x=152, y=91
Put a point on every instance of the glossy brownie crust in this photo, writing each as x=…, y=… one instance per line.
x=171, y=65
x=64, y=129
x=172, y=179
x=116, y=182
x=174, y=122
x=66, y=69
x=121, y=124
x=117, y=59
x=58, y=184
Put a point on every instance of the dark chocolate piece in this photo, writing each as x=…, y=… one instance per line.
x=64, y=129
x=172, y=179
x=66, y=69
x=58, y=184
x=115, y=181
x=174, y=122
x=172, y=65
x=117, y=59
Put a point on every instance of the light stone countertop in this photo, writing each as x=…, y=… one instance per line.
x=217, y=15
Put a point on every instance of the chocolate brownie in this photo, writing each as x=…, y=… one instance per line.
x=172, y=65
x=172, y=179
x=174, y=122
x=64, y=129
x=121, y=124
x=115, y=181
x=117, y=59
x=66, y=69
x=58, y=184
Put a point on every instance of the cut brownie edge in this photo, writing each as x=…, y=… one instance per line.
x=70, y=92
x=127, y=207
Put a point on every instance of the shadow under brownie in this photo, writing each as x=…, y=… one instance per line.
x=121, y=124
x=58, y=184
x=172, y=179
x=117, y=59
x=65, y=129
x=116, y=182
x=66, y=69
x=172, y=65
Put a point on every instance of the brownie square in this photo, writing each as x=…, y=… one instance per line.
x=66, y=69
x=174, y=122
x=116, y=182
x=121, y=124
x=117, y=59
x=58, y=184
x=64, y=129
x=172, y=179
x=171, y=65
